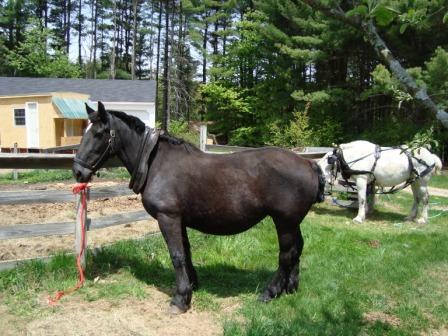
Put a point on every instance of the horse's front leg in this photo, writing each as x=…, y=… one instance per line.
x=172, y=231
x=423, y=196
x=416, y=194
x=361, y=185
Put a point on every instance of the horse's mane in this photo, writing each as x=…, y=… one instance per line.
x=139, y=126
x=133, y=122
x=178, y=142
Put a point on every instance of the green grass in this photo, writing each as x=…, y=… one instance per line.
x=439, y=181
x=36, y=176
x=347, y=270
x=54, y=175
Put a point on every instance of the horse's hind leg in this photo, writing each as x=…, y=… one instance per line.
x=172, y=232
x=291, y=245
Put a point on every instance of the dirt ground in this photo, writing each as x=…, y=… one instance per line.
x=77, y=317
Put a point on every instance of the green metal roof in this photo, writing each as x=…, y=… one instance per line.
x=71, y=108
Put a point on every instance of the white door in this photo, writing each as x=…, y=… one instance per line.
x=32, y=125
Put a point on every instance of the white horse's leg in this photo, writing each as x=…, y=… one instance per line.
x=424, y=198
x=414, y=210
x=361, y=185
x=371, y=198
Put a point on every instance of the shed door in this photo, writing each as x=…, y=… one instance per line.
x=32, y=125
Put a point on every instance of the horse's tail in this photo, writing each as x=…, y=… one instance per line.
x=437, y=164
x=320, y=197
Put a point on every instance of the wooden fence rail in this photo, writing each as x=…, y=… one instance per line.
x=56, y=196
x=64, y=228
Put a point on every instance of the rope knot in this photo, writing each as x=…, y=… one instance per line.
x=78, y=187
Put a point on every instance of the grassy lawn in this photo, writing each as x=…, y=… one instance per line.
x=384, y=277
x=54, y=175
x=439, y=181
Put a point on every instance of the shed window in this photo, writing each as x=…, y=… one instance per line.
x=19, y=117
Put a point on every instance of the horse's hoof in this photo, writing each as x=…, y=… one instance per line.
x=357, y=220
x=265, y=297
x=175, y=310
x=421, y=221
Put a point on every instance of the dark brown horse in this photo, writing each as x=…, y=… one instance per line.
x=217, y=194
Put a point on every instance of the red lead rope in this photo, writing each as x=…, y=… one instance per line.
x=76, y=189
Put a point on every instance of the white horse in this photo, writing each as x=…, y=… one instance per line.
x=364, y=162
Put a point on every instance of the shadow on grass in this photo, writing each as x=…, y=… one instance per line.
x=219, y=279
x=322, y=319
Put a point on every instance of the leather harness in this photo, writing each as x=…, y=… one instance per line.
x=346, y=172
x=141, y=167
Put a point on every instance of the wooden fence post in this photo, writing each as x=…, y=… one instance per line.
x=81, y=216
x=202, y=136
x=15, y=174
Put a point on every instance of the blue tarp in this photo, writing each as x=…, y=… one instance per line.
x=71, y=108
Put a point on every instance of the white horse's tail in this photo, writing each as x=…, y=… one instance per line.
x=437, y=164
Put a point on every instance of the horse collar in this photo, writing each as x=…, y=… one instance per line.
x=141, y=166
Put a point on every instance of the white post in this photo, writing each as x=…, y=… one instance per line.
x=202, y=137
x=81, y=215
x=15, y=174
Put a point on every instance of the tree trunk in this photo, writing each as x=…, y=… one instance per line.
x=159, y=28
x=134, y=37
x=94, y=44
x=69, y=24
x=166, y=107
x=204, y=50
x=114, y=41
x=79, y=32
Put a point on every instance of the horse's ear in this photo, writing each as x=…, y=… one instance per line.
x=102, y=112
x=89, y=109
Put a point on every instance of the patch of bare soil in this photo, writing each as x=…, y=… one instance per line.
x=434, y=332
x=374, y=317
x=432, y=191
x=73, y=317
x=59, y=212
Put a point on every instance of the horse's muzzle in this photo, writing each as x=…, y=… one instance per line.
x=81, y=174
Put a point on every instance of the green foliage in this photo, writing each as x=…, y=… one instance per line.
x=180, y=129
x=384, y=83
x=227, y=107
x=246, y=136
x=436, y=76
x=296, y=134
x=424, y=138
x=35, y=57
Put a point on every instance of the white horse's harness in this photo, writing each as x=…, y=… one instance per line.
x=339, y=164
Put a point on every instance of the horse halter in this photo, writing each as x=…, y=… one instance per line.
x=110, y=150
